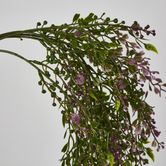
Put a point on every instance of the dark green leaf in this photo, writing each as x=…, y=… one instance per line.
x=65, y=134
x=89, y=18
x=76, y=17
x=65, y=148
x=63, y=163
x=74, y=43
x=63, y=120
x=107, y=19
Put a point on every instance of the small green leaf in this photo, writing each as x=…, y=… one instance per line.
x=91, y=94
x=76, y=17
x=95, y=125
x=117, y=105
x=63, y=163
x=65, y=134
x=96, y=81
x=113, y=44
x=127, y=163
x=110, y=157
x=63, y=120
x=74, y=43
x=145, y=142
x=149, y=152
x=151, y=47
x=89, y=18
x=65, y=148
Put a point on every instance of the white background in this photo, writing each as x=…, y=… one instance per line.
x=31, y=133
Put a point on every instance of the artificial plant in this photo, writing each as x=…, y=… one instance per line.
x=95, y=69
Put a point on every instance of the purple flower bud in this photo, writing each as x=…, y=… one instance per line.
x=138, y=130
x=121, y=84
x=80, y=79
x=124, y=101
x=142, y=79
x=132, y=62
x=155, y=72
x=144, y=63
x=148, y=78
x=117, y=155
x=141, y=53
x=135, y=26
x=158, y=80
x=134, y=45
x=156, y=90
x=156, y=133
x=77, y=33
x=79, y=93
x=75, y=118
x=145, y=125
x=153, y=77
x=145, y=71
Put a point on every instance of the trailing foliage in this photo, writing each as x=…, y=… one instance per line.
x=96, y=69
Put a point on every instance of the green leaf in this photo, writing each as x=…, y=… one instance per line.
x=110, y=157
x=76, y=17
x=92, y=95
x=63, y=119
x=65, y=134
x=96, y=81
x=63, y=163
x=117, y=105
x=74, y=43
x=65, y=148
x=89, y=18
x=145, y=141
x=95, y=124
x=151, y=47
x=127, y=163
x=113, y=44
x=149, y=152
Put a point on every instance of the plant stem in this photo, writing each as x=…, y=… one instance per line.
x=26, y=60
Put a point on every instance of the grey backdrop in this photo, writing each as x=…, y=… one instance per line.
x=31, y=133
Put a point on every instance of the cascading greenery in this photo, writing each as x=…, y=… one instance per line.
x=95, y=68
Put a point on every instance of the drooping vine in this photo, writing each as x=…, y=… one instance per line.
x=95, y=69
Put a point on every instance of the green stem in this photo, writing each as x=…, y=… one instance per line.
x=19, y=56
x=32, y=64
x=27, y=33
x=30, y=33
x=28, y=61
x=22, y=33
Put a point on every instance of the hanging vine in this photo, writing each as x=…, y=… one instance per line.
x=95, y=69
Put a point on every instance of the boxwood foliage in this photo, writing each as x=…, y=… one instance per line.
x=97, y=71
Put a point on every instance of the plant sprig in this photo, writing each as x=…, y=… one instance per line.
x=95, y=69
